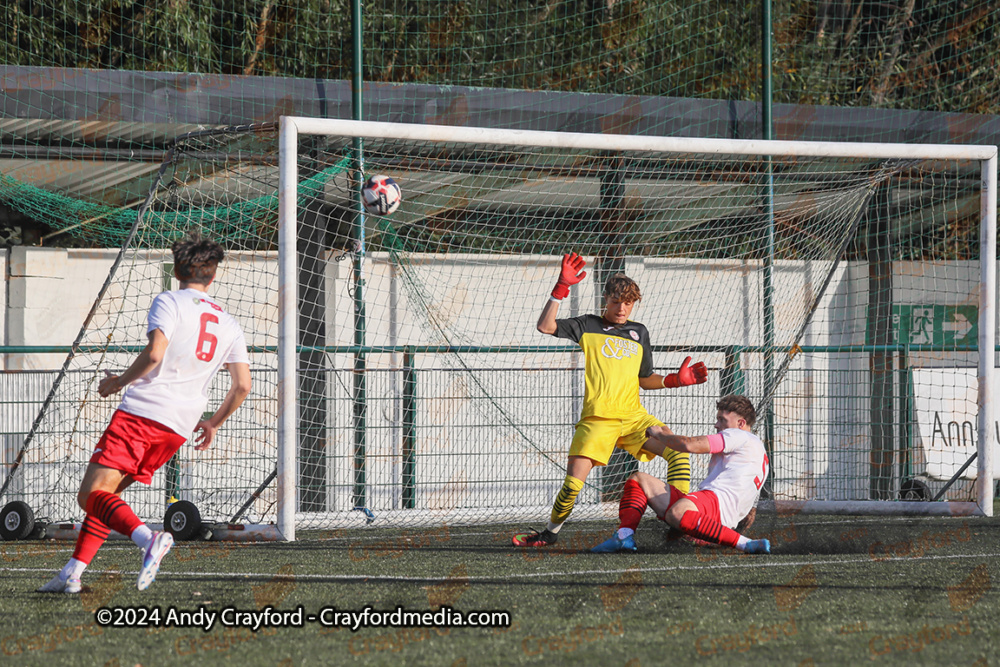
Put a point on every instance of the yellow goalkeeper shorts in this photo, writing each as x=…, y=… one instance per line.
x=597, y=437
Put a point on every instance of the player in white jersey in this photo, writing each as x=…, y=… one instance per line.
x=190, y=338
x=736, y=473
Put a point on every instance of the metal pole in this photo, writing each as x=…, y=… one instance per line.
x=878, y=316
x=360, y=360
x=312, y=456
x=287, y=325
x=395, y=431
x=409, y=431
x=767, y=133
x=987, y=333
x=611, y=260
x=172, y=469
x=731, y=380
x=627, y=142
x=766, y=94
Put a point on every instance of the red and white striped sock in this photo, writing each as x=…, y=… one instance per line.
x=117, y=515
x=706, y=528
x=631, y=508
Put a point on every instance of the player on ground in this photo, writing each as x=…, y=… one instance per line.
x=190, y=338
x=618, y=362
x=736, y=472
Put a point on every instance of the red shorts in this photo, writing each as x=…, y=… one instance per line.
x=707, y=503
x=136, y=446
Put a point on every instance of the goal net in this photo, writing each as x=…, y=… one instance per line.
x=398, y=376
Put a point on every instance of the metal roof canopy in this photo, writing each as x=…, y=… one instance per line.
x=70, y=130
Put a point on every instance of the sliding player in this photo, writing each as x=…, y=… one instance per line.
x=736, y=473
x=190, y=338
x=618, y=362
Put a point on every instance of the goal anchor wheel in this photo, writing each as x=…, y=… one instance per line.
x=912, y=488
x=17, y=521
x=182, y=520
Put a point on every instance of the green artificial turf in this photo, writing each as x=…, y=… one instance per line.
x=836, y=591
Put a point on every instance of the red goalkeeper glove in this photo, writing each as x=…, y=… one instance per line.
x=572, y=265
x=687, y=375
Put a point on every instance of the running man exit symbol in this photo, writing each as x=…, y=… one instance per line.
x=921, y=325
x=934, y=324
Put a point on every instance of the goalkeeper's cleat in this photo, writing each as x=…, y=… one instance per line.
x=158, y=547
x=535, y=539
x=614, y=544
x=757, y=547
x=60, y=585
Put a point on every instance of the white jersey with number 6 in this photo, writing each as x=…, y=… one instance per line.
x=737, y=474
x=201, y=338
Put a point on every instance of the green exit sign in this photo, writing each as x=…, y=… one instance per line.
x=933, y=324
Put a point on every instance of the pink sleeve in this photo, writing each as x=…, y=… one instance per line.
x=716, y=443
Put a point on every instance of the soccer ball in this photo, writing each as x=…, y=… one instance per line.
x=381, y=195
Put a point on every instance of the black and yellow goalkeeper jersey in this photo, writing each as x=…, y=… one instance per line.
x=617, y=355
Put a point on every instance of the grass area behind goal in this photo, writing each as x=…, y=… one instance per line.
x=836, y=591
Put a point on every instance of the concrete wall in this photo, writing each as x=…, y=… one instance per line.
x=49, y=293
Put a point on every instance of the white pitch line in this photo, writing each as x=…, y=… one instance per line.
x=123, y=542
x=853, y=519
x=507, y=577
x=390, y=538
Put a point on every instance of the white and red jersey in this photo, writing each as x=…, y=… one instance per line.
x=736, y=474
x=201, y=338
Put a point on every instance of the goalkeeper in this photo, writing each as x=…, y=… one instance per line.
x=618, y=362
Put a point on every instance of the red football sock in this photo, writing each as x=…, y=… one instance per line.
x=113, y=512
x=92, y=535
x=708, y=529
x=632, y=506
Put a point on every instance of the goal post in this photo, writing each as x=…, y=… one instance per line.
x=287, y=329
x=987, y=415
x=902, y=156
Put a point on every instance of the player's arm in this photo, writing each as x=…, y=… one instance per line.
x=659, y=439
x=239, y=389
x=654, y=381
x=570, y=274
x=547, y=320
x=148, y=359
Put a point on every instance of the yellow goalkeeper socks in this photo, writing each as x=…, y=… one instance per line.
x=563, y=505
x=679, y=472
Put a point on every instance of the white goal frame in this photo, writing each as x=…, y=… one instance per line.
x=291, y=128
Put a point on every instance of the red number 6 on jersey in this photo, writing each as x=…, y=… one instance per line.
x=759, y=481
x=206, y=338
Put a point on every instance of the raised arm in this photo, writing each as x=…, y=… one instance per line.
x=547, y=320
x=570, y=274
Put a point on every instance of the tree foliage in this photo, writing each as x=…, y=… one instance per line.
x=914, y=54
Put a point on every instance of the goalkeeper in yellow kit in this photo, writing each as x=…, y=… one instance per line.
x=618, y=362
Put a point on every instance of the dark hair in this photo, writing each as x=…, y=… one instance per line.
x=620, y=286
x=196, y=258
x=741, y=405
